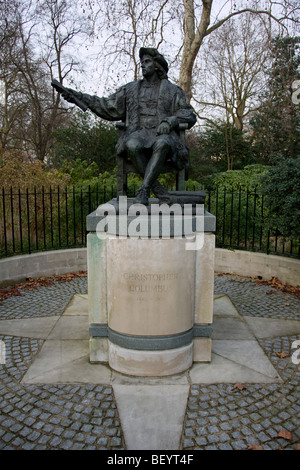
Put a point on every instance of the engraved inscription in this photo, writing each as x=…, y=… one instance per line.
x=158, y=277
x=150, y=283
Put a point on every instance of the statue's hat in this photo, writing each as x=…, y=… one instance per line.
x=152, y=52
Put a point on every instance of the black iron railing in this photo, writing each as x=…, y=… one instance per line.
x=46, y=219
x=241, y=217
x=55, y=218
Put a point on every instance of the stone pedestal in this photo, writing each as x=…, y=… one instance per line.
x=150, y=297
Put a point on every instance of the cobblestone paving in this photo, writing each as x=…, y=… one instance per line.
x=40, y=417
x=42, y=301
x=220, y=416
x=255, y=300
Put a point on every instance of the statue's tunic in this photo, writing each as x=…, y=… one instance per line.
x=142, y=107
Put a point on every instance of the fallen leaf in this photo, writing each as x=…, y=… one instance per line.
x=287, y=304
x=298, y=446
x=281, y=286
x=32, y=283
x=285, y=434
x=282, y=354
x=239, y=386
x=255, y=447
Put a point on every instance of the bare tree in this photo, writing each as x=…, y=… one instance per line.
x=62, y=28
x=39, y=49
x=38, y=40
x=58, y=57
x=11, y=104
x=132, y=23
x=232, y=71
x=197, y=27
x=121, y=28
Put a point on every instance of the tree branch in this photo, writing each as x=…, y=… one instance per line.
x=245, y=10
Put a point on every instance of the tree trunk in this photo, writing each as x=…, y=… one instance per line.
x=192, y=41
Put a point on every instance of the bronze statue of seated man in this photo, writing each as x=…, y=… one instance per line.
x=152, y=109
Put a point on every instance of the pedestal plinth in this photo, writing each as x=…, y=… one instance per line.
x=150, y=297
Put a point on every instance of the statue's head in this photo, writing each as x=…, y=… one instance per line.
x=159, y=60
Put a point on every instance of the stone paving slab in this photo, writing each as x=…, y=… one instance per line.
x=236, y=352
x=87, y=415
x=223, y=370
x=247, y=353
x=70, y=327
x=267, y=328
x=152, y=415
x=77, y=305
x=39, y=328
x=231, y=329
x=66, y=362
x=224, y=307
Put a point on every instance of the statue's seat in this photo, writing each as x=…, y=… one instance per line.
x=125, y=166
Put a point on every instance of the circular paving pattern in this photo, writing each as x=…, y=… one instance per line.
x=218, y=416
x=243, y=416
x=40, y=417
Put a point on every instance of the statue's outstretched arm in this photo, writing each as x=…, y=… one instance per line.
x=111, y=108
x=69, y=95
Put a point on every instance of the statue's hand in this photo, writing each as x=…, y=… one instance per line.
x=163, y=128
x=69, y=95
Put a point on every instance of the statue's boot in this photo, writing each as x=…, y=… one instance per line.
x=142, y=195
x=159, y=190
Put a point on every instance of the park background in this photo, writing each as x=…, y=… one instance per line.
x=238, y=63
